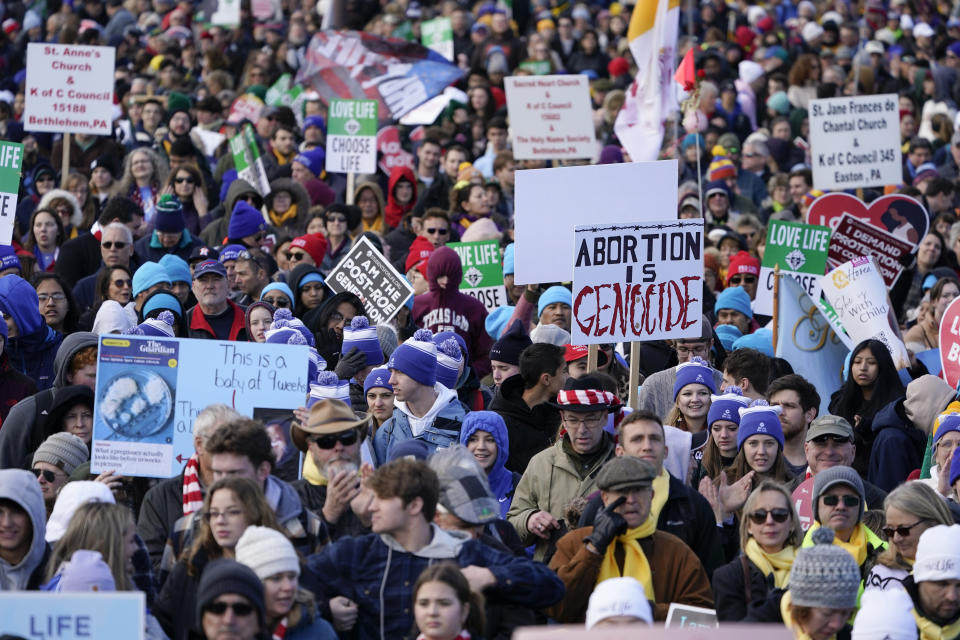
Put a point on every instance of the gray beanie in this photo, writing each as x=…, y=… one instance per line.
x=824, y=575
x=833, y=476
x=63, y=450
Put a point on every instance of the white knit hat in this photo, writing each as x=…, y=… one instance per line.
x=266, y=551
x=72, y=497
x=618, y=597
x=885, y=615
x=938, y=554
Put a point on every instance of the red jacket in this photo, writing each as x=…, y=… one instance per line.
x=198, y=327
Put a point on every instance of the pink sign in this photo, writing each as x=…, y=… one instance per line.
x=950, y=343
x=803, y=503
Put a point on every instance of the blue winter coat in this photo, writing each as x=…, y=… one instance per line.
x=33, y=351
x=378, y=574
x=898, y=447
x=443, y=431
x=502, y=481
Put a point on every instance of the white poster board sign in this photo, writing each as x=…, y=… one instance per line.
x=69, y=88
x=550, y=203
x=550, y=117
x=857, y=293
x=634, y=282
x=855, y=142
x=51, y=615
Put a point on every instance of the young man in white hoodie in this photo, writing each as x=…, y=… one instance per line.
x=423, y=409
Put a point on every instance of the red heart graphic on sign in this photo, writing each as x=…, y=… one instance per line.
x=897, y=214
x=950, y=343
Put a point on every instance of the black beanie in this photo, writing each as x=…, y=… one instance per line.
x=229, y=576
x=511, y=343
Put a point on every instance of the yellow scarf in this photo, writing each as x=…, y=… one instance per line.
x=857, y=547
x=776, y=563
x=279, y=219
x=312, y=473
x=930, y=630
x=635, y=562
x=377, y=225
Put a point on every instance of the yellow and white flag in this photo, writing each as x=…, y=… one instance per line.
x=653, y=95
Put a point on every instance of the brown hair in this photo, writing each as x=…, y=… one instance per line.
x=450, y=575
x=243, y=437
x=739, y=468
x=408, y=479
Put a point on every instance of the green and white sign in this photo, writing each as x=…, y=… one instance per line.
x=352, y=136
x=801, y=252
x=537, y=67
x=437, y=34
x=247, y=160
x=482, y=272
x=11, y=162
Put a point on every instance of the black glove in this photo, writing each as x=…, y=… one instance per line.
x=350, y=364
x=607, y=525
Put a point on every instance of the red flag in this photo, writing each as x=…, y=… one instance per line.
x=686, y=74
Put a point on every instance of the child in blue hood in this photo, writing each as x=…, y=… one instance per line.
x=32, y=345
x=484, y=434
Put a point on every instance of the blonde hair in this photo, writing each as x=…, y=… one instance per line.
x=97, y=526
x=920, y=501
x=796, y=533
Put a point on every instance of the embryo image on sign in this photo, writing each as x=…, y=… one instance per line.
x=136, y=404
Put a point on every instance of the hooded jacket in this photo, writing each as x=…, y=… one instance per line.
x=294, y=278
x=529, y=430
x=502, y=482
x=291, y=223
x=441, y=425
x=32, y=352
x=149, y=249
x=377, y=573
x=214, y=233
x=76, y=218
x=381, y=226
x=25, y=428
x=394, y=211
x=446, y=309
x=21, y=487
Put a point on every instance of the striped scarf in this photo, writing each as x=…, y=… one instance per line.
x=280, y=630
x=192, y=493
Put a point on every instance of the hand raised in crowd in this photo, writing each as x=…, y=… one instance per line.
x=480, y=578
x=709, y=491
x=734, y=495
x=344, y=613
x=200, y=202
x=541, y=523
x=360, y=505
x=350, y=364
x=342, y=488
x=607, y=525
x=112, y=479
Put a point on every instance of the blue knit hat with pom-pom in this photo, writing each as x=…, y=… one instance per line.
x=315, y=365
x=363, y=336
x=284, y=318
x=159, y=327
x=417, y=358
x=328, y=386
x=759, y=419
x=449, y=358
x=727, y=406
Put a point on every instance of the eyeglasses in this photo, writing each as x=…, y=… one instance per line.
x=848, y=501
x=113, y=245
x=743, y=279
x=220, y=608
x=120, y=283
x=586, y=422
x=760, y=515
x=824, y=440
x=439, y=232
x=693, y=349
x=229, y=514
x=345, y=438
x=280, y=302
x=46, y=297
x=48, y=475
x=751, y=154
x=903, y=532
x=295, y=256
x=188, y=180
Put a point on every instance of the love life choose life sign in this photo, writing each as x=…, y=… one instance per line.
x=352, y=136
x=636, y=282
x=11, y=164
x=801, y=252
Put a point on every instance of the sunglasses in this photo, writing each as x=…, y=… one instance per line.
x=337, y=219
x=760, y=515
x=903, y=532
x=346, y=438
x=48, y=475
x=440, y=232
x=220, y=608
x=280, y=302
x=848, y=501
x=113, y=245
x=120, y=283
x=836, y=440
x=295, y=257
x=188, y=180
x=743, y=279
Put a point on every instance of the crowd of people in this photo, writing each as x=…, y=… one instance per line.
x=466, y=471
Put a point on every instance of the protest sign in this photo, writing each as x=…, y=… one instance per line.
x=684, y=616
x=482, y=272
x=247, y=160
x=365, y=272
x=400, y=75
x=899, y=215
x=726, y=631
x=857, y=293
x=800, y=250
x=803, y=332
x=950, y=343
x=429, y=111
x=437, y=34
x=392, y=153
x=854, y=237
x=537, y=67
x=855, y=142
x=803, y=503
x=69, y=88
x=75, y=615
x=634, y=282
x=352, y=136
x=11, y=163
x=245, y=107
x=550, y=117
x=149, y=391
x=549, y=203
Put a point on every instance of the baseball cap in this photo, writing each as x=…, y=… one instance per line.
x=209, y=266
x=203, y=253
x=829, y=425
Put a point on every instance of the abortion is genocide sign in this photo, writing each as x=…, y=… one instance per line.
x=634, y=282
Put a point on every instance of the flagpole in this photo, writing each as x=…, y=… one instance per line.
x=776, y=304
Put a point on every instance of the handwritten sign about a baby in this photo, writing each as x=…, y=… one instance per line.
x=150, y=391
